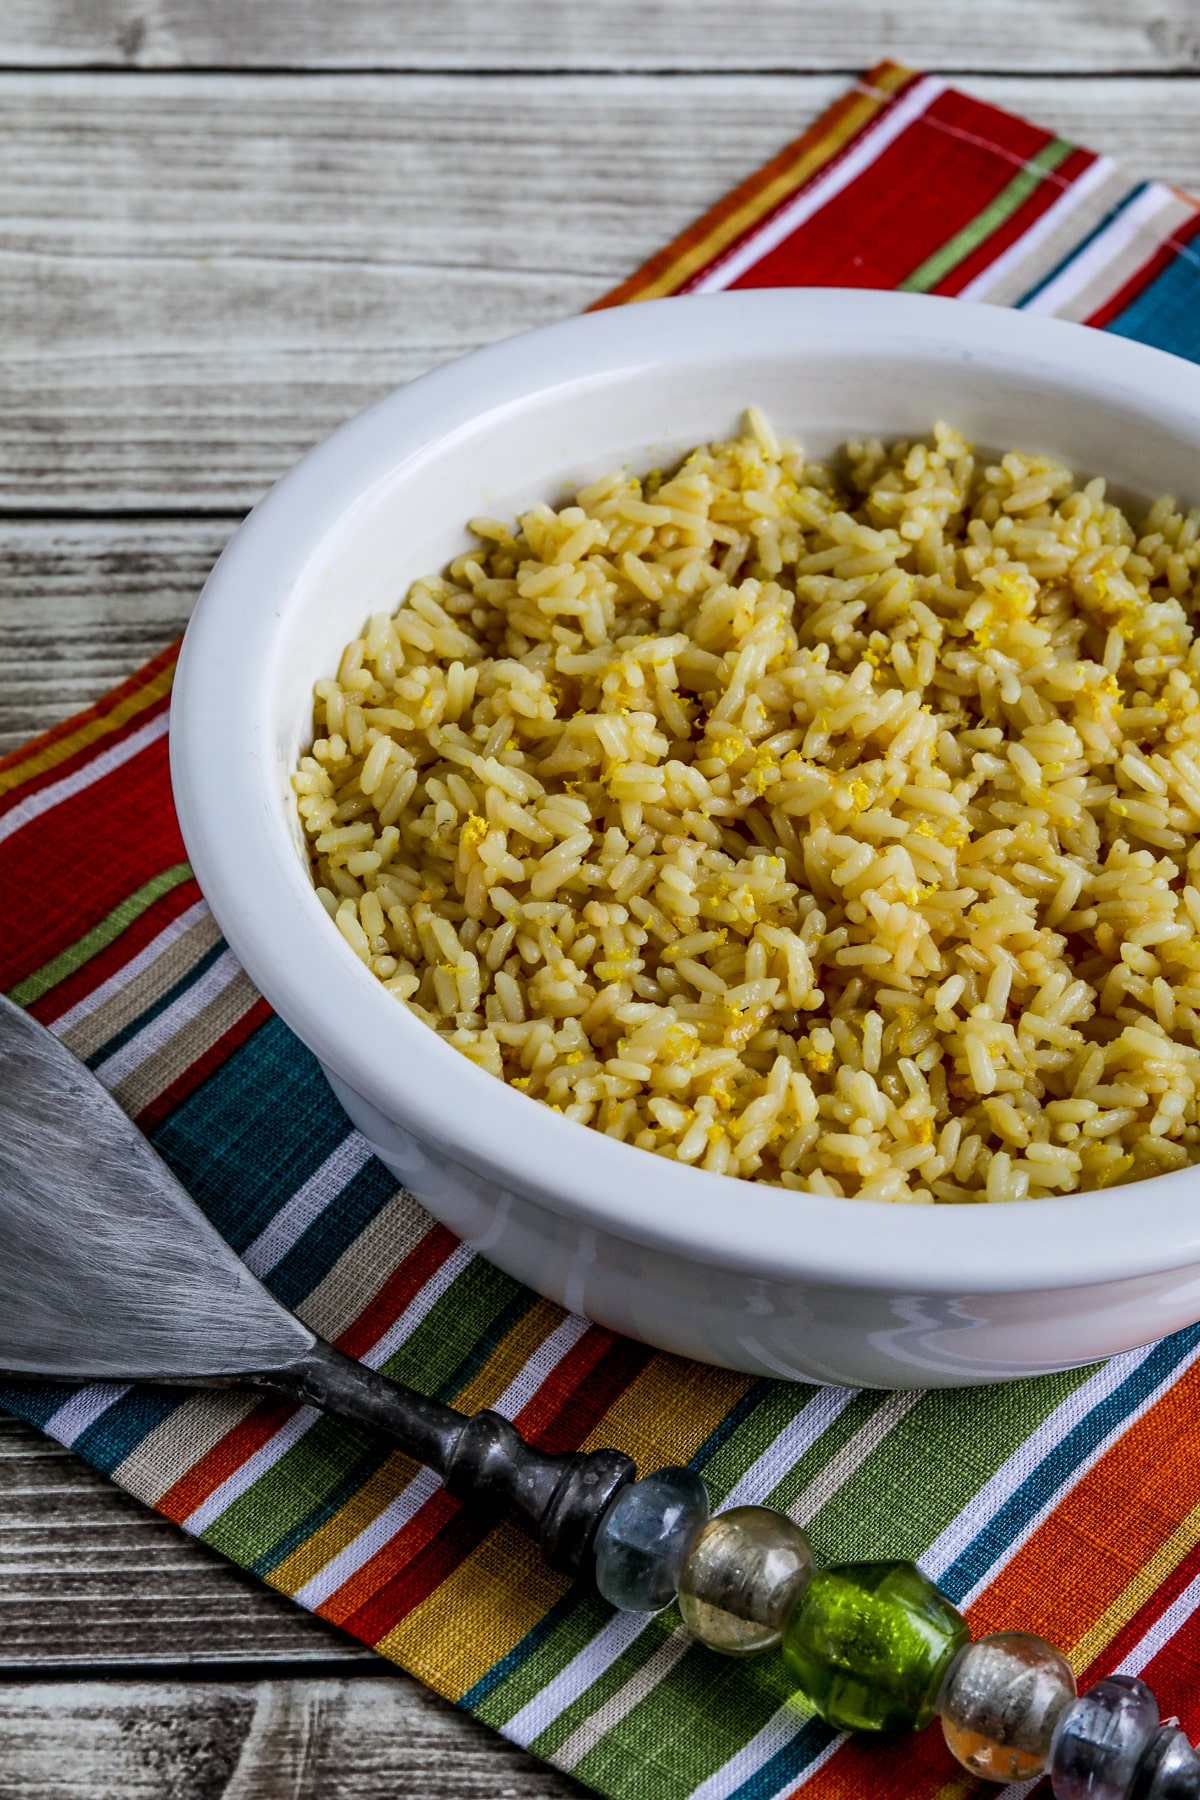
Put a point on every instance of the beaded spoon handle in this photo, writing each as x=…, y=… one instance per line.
x=109, y=1271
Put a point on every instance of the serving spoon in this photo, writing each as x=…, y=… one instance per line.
x=109, y=1271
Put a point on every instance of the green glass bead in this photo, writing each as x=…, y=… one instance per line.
x=869, y=1645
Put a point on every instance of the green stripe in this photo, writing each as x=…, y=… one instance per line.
x=635, y=1657
x=937, y=1458
x=688, y=1726
x=773, y=1414
x=266, y=1518
x=99, y=937
x=935, y=268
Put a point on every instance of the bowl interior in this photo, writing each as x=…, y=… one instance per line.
x=555, y=438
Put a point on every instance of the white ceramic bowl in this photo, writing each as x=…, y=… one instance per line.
x=738, y=1273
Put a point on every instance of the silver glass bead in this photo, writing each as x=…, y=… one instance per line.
x=1170, y=1769
x=742, y=1577
x=1000, y=1703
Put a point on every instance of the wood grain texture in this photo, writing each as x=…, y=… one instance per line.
x=264, y=1740
x=82, y=605
x=202, y=275
x=90, y=1578
x=1071, y=35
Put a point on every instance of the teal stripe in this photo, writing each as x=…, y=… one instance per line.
x=35, y=1401
x=120, y=1429
x=1077, y=250
x=1167, y=313
x=331, y=1234
x=260, y=1127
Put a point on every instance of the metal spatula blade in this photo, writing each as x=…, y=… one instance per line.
x=110, y=1271
x=107, y=1266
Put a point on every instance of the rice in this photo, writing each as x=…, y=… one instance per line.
x=832, y=824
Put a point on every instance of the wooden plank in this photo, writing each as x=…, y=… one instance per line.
x=1073, y=35
x=88, y=1577
x=312, y=1740
x=201, y=276
x=82, y=605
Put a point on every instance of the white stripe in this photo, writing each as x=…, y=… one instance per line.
x=1074, y=1476
x=170, y=1022
x=369, y=1542
x=869, y=145
x=1102, y=250
x=131, y=970
x=1162, y=1630
x=1051, y=221
x=421, y=1304
x=623, y=1629
x=384, y=1526
x=82, y=1410
x=34, y=805
x=307, y=1204
x=852, y=1455
x=618, y=1706
x=1032, y=1451
x=779, y=1730
x=785, y=1451
x=264, y=1458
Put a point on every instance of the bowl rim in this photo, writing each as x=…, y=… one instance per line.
x=236, y=834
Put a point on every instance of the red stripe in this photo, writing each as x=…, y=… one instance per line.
x=415, y=1576
x=118, y=955
x=1172, y=1676
x=1149, y=272
x=1152, y=1609
x=106, y=704
x=904, y=207
x=224, y=1459
x=197, y=1073
x=397, y=1292
x=1045, y=195
x=782, y=204
x=70, y=765
x=92, y=852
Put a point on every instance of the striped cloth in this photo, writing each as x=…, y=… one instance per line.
x=1069, y=1505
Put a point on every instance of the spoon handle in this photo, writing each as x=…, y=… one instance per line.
x=560, y=1498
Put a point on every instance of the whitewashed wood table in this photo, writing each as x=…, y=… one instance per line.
x=224, y=226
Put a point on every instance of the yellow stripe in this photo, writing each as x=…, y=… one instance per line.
x=510, y=1356
x=480, y=1613
x=730, y=228
x=499, y=1593
x=669, y=1411
x=1135, y=1594
x=58, y=752
x=361, y=1510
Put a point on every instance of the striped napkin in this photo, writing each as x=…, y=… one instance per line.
x=1069, y=1505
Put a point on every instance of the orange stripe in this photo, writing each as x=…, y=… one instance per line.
x=1106, y=1531
x=1139, y=1592
x=761, y=192
x=76, y=733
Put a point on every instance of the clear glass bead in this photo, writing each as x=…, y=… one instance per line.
x=1101, y=1739
x=1000, y=1703
x=1170, y=1769
x=644, y=1537
x=742, y=1578
x=870, y=1644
